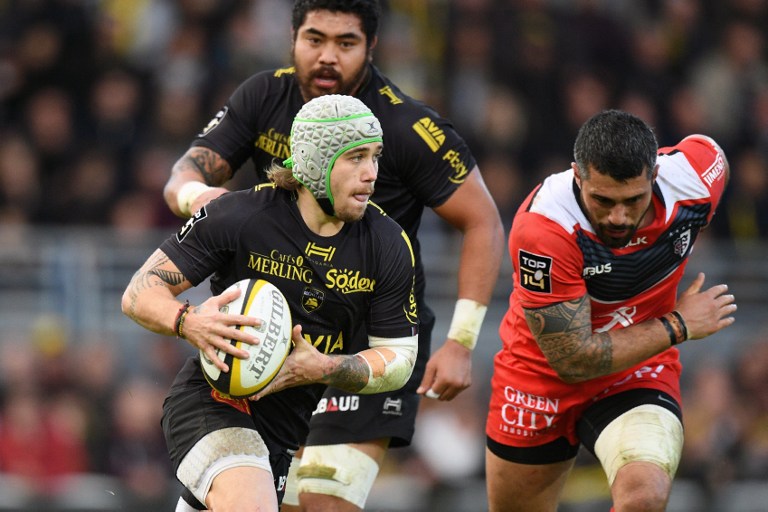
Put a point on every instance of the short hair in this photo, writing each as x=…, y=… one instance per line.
x=617, y=144
x=368, y=11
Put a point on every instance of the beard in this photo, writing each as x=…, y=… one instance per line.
x=309, y=89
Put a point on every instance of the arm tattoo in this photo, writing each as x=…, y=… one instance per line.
x=214, y=169
x=144, y=278
x=563, y=331
x=350, y=375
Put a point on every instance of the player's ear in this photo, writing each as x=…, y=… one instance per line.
x=371, y=46
x=576, y=175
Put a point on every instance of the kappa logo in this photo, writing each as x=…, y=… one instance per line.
x=535, y=271
x=312, y=299
x=622, y=316
x=214, y=122
x=393, y=407
x=187, y=227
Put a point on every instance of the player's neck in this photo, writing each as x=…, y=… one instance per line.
x=315, y=218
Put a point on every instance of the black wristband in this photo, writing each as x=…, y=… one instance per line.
x=683, y=327
x=670, y=330
x=180, y=316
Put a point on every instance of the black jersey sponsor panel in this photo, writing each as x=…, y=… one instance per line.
x=340, y=288
x=424, y=159
x=611, y=277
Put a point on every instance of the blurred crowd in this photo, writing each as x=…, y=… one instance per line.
x=99, y=97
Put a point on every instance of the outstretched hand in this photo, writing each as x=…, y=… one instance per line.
x=706, y=312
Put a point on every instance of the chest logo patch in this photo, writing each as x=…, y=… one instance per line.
x=535, y=272
x=682, y=243
x=312, y=299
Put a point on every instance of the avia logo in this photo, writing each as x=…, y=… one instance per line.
x=326, y=253
x=622, y=316
x=430, y=133
x=389, y=93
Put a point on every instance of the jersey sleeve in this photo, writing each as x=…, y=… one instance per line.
x=433, y=160
x=208, y=239
x=229, y=133
x=547, y=262
x=393, y=312
x=708, y=162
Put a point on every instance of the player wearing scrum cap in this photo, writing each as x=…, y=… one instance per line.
x=347, y=271
x=427, y=164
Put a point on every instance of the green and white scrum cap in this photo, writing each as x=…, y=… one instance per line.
x=324, y=128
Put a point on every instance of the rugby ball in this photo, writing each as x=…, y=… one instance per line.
x=246, y=377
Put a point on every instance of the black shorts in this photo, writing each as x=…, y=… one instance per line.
x=190, y=413
x=342, y=417
x=589, y=427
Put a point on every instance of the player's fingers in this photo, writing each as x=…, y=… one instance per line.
x=210, y=354
x=427, y=381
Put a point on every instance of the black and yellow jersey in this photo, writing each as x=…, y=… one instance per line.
x=424, y=159
x=340, y=288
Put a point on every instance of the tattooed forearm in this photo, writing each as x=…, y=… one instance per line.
x=350, y=375
x=153, y=273
x=214, y=169
x=564, y=334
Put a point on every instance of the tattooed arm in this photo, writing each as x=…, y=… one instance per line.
x=150, y=300
x=385, y=366
x=564, y=334
x=196, y=178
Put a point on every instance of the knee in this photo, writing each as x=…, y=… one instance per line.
x=642, y=499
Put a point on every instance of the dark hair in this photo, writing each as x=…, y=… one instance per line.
x=617, y=144
x=368, y=11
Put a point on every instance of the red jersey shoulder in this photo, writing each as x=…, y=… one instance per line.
x=708, y=161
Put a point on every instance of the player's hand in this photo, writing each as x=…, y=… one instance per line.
x=706, y=312
x=448, y=372
x=206, y=197
x=207, y=328
x=304, y=365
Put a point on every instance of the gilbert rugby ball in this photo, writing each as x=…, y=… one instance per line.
x=246, y=377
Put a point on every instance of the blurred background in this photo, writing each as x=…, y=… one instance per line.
x=98, y=98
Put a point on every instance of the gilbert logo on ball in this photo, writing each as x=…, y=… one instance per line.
x=259, y=299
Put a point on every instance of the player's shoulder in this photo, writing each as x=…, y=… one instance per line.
x=384, y=227
x=268, y=81
x=251, y=201
x=390, y=103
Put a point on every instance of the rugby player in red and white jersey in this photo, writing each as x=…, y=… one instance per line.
x=589, y=351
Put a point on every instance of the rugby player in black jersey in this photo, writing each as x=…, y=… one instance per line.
x=347, y=271
x=426, y=164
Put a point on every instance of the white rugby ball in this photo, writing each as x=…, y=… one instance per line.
x=246, y=377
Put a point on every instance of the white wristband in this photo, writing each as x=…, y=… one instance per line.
x=188, y=192
x=467, y=319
